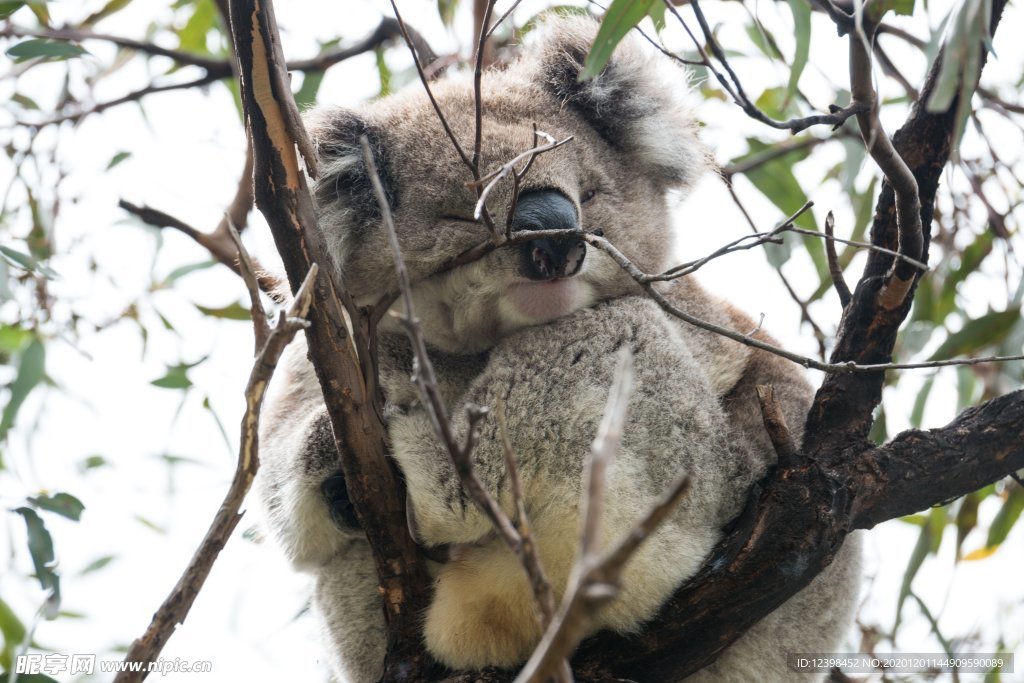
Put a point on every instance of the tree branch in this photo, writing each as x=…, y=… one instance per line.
x=341, y=358
x=176, y=606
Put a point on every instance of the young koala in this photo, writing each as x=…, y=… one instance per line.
x=536, y=328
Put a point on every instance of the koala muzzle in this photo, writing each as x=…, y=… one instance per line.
x=547, y=259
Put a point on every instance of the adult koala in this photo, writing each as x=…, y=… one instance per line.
x=537, y=326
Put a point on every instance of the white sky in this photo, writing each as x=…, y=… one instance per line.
x=186, y=157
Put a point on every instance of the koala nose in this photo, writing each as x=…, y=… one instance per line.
x=546, y=259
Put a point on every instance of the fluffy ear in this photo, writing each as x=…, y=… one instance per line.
x=346, y=204
x=637, y=103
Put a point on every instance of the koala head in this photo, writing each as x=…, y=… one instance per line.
x=634, y=141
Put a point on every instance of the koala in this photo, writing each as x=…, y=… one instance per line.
x=535, y=328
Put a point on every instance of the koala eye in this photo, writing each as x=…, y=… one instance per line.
x=588, y=196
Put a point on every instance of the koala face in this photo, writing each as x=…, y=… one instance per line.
x=634, y=140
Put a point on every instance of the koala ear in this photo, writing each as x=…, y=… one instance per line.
x=637, y=103
x=343, y=175
x=346, y=203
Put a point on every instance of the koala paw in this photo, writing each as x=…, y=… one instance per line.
x=339, y=505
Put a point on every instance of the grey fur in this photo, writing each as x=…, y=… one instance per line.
x=694, y=406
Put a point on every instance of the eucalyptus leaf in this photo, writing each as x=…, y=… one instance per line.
x=45, y=48
x=619, y=19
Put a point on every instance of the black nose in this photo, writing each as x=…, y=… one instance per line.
x=546, y=259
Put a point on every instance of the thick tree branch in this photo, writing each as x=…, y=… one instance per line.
x=982, y=445
x=341, y=358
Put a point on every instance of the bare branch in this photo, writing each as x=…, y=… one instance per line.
x=430, y=93
x=176, y=606
x=215, y=69
x=543, y=596
x=208, y=64
x=836, y=118
x=898, y=280
x=834, y=269
x=133, y=96
x=596, y=576
x=487, y=7
x=494, y=177
x=515, y=536
x=775, y=425
x=220, y=250
x=261, y=330
x=340, y=355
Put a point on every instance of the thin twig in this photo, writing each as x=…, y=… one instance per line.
x=543, y=596
x=430, y=93
x=502, y=18
x=834, y=269
x=176, y=607
x=478, y=102
x=596, y=576
x=805, y=312
x=218, y=247
x=209, y=64
x=836, y=118
x=517, y=539
x=261, y=330
x=494, y=177
x=133, y=96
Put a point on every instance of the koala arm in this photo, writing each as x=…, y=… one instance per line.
x=554, y=381
x=300, y=484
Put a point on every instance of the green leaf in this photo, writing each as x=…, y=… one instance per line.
x=9, y=8
x=181, y=272
x=763, y=39
x=1007, y=516
x=192, y=36
x=802, y=27
x=91, y=463
x=233, y=311
x=881, y=7
x=917, y=556
x=556, y=11
x=657, y=15
x=984, y=332
x=97, y=564
x=776, y=181
x=966, y=518
x=960, y=71
x=118, y=158
x=14, y=635
x=111, y=7
x=149, y=524
x=383, y=72
x=31, y=371
x=21, y=260
x=25, y=101
x=28, y=678
x=305, y=96
x=446, y=10
x=176, y=378
x=621, y=17
x=41, y=47
x=63, y=504
x=917, y=414
x=40, y=548
x=13, y=338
